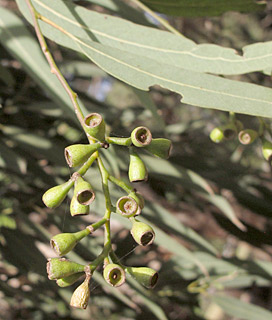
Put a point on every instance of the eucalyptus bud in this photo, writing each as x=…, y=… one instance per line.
x=247, y=136
x=160, y=147
x=64, y=242
x=217, y=135
x=53, y=197
x=114, y=274
x=95, y=126
x=68, y=281
x=81, y=295
x=137, y=170
x=142, y=233
x=58, y=268
x=77, y=209
x=127, y=207
x=267, y=149
x=141, y=137
x=83, y=191
x=77, y=154
x=147, y=277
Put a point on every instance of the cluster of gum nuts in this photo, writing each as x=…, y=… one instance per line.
x=67, y=272
x=245, y=136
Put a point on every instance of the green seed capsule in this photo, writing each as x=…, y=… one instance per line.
x=137, y=170
x=53, y=197
x=95, y=126
x=83, y=191
x=267, y=149
x=127, y=207
x=77, y=209
x=147, y=277
x=247, y=136
x=142, y=233
x=64, y=242
x=160, y=147
x=114, y=274
x=68, y=281
x=141, y=137
x=138, y=198
x=217, y=135
x=77, y=154
x=58, y=268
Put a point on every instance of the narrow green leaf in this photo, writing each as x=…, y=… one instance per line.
x=7, y=222
x=240, y=309
x=196, y=8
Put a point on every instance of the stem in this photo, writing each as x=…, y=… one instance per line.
x=54, y=69
x=96, y=225
x=87, y=164
x=162, y=21
x=121, y=184
x=100, y=258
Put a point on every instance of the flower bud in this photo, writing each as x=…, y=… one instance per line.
x=95, y=126
x=267, y=150
x=160, y=147
x=247, y=136
x=141, y=137
x=138, y=198
x=137, y=170
x=127, y=207
x=68, y=281
x=142, y=233
x=77, y=209
x=58, y=268
x=77, y=154
x=53, y=197
x=81, y=295
x=217, y=135
x=64, y=242
x=147, y=277
x=83, y=191
x=114, y=274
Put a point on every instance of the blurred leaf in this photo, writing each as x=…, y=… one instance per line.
x=6, y=76
x=7, y=222
x=196, y=8
x=240, y=309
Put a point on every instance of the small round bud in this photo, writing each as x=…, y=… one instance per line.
x=247, y=136
x=81, y=295
x=141, y=137
x=77, y=209
x=137, y=170
x=68, y=281
x=160, y=147
x=77, y=154
x=267, y=149
x=127, y=207
x=142, y=233
x=58, y=268
x=53, y=197
x=147, y=277
x=64, y=242
x=95, y=126
x=83, y=191
x=114, y=274
x=217, y=135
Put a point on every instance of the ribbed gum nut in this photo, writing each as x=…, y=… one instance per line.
x=77, y=209
x=137, y=171
x=141, y=137
x=114, y=274
x=247, y=136
x=127, y=207
x=68, y=281
x=53, y=197
x=95, y=126
x=217, y=135
x=142, y=233
x=267, y=150
x=83, y=191
x=58, y=268
x=77, y=154
x=160, y=147
x=138, y=198
x=81, y=295
x=147, y=277
x=64, y=242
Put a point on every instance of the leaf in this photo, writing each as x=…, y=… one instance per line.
x=165, y=47
x=15, y=37
x=240, y=309
x=197, y=89
x=7, y=222
x=196, y=8
x=6, y=76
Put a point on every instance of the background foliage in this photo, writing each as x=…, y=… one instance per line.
x=210, y=204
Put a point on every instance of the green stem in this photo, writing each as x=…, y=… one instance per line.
x=121, y=184
x=100, y=258
x=88, y=163
x=96, y=225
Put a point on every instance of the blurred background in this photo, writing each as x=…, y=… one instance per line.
x=210, y=204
